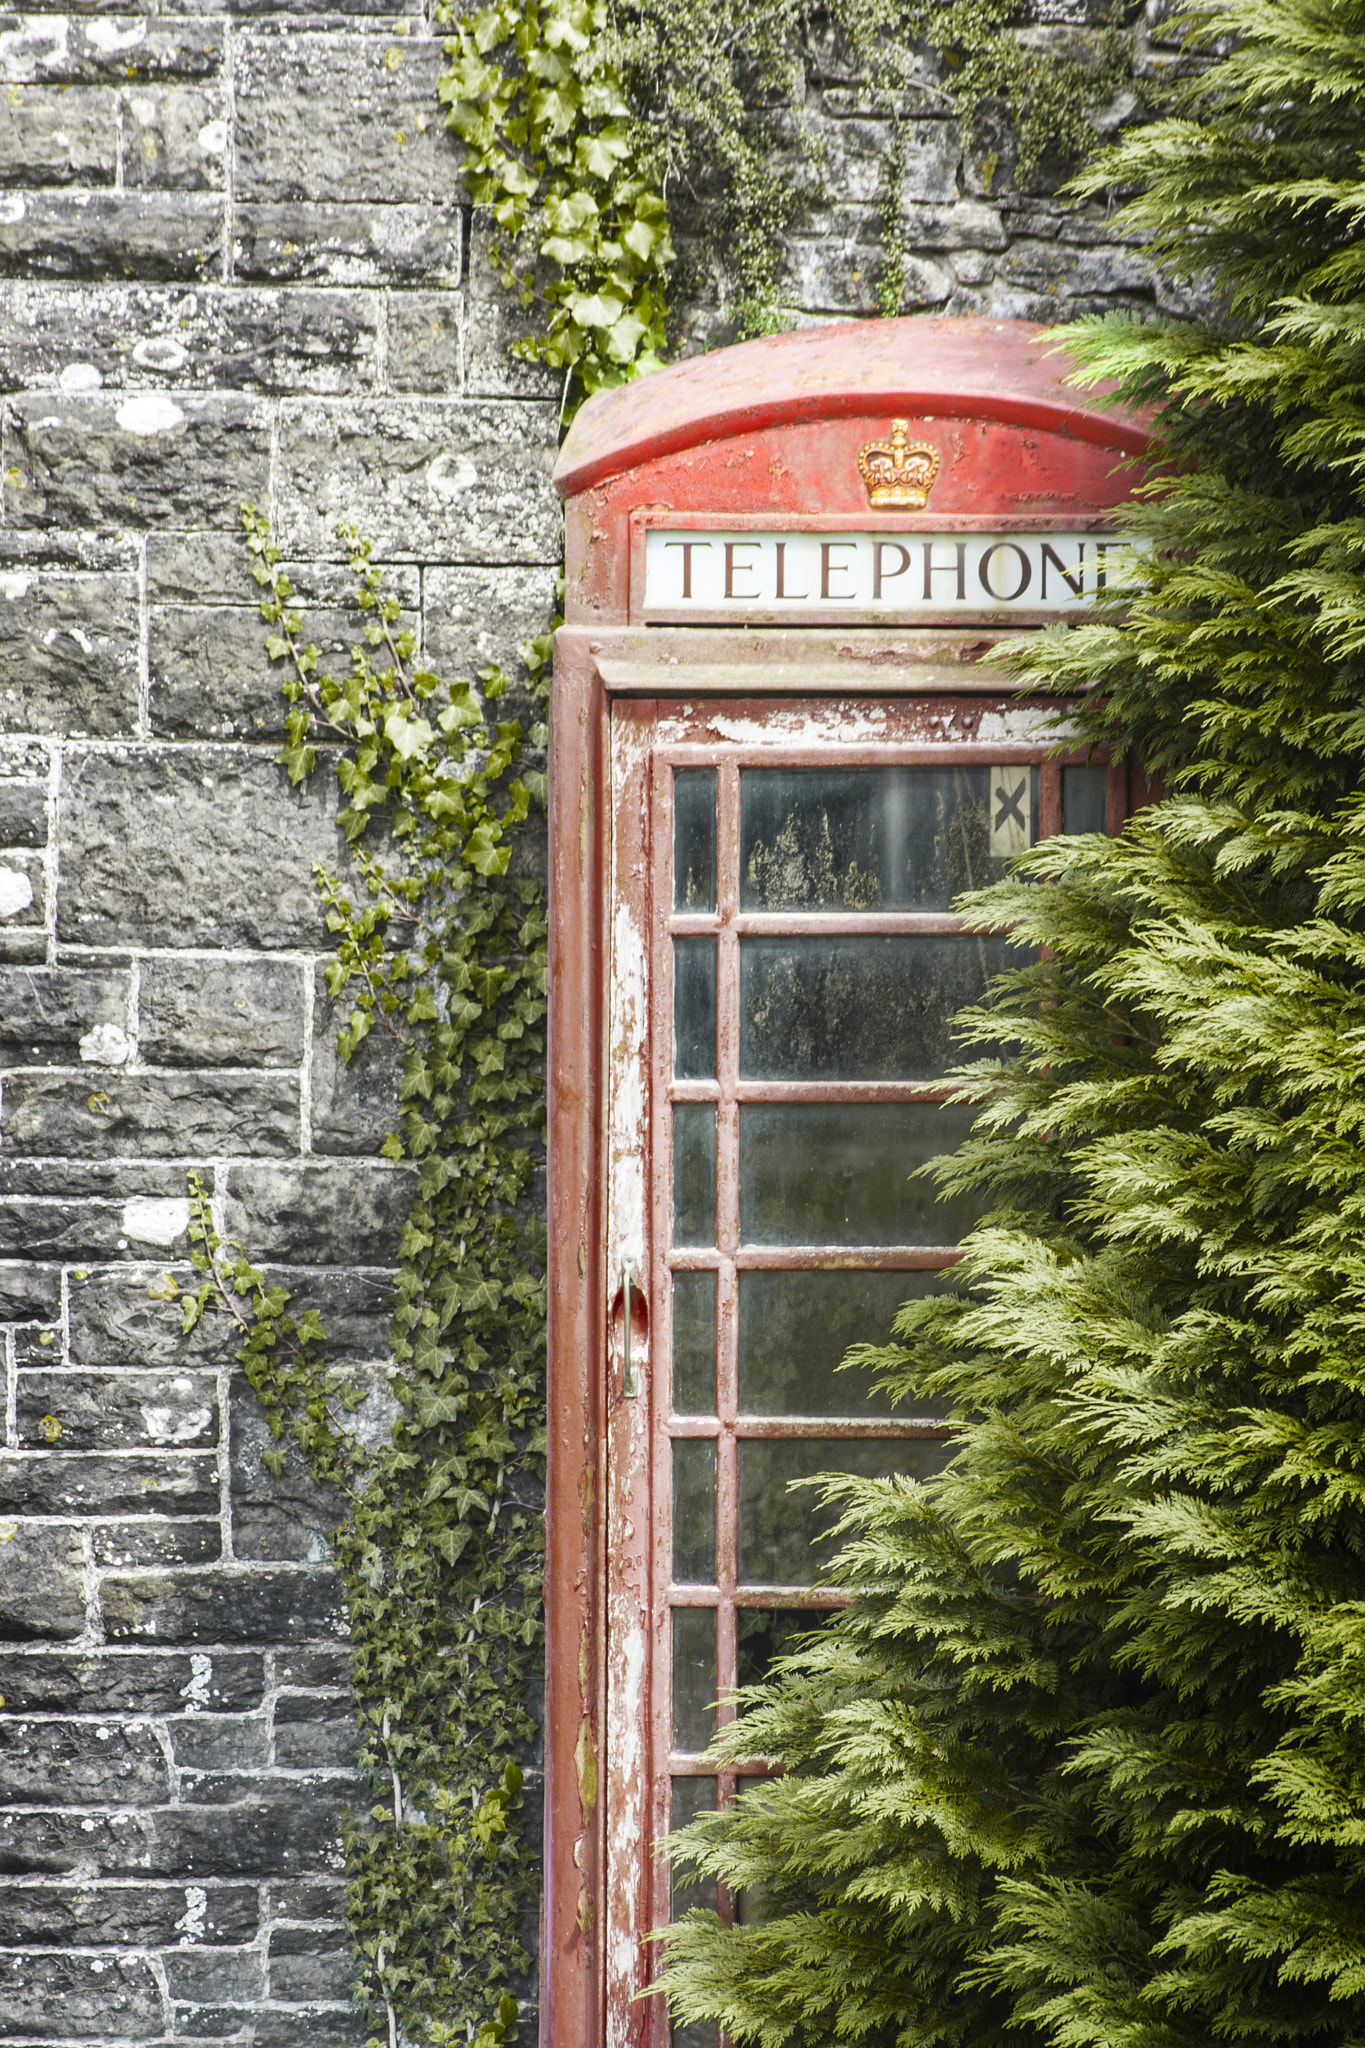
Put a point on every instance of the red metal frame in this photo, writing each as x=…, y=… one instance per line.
x=770, y=439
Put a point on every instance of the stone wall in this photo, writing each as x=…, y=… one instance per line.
x=234, y=263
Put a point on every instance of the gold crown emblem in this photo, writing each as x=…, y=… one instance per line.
x=899, y=473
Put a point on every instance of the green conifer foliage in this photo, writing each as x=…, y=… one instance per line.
x=1086, y=1764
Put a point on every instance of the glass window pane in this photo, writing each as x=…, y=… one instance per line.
x=691, y=1796
x=1085, y=799
x=795, y=1327
x=694, y=1511
x=836, y=1173
x=694, y=1009
x=694, y=839
x=780, y=1539
x=854, y=1009
x=874, y=838
x=694, y=1173
x=694, y=1677
x=700, y=2034
x=763, y=1634
x=694, y=1343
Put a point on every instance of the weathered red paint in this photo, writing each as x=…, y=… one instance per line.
x=767, y=433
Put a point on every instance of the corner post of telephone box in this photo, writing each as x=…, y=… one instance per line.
x=571, y=1989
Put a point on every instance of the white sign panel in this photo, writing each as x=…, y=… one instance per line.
x=894, y=574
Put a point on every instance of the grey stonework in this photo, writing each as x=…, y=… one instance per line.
x=235, y=261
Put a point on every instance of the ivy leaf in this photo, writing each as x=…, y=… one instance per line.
x=451, y=1542
x=596, y=156
x=408, y=736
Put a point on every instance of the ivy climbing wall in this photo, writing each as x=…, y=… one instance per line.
x=235, y=263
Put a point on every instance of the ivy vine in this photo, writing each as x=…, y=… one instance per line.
x=439, y=1542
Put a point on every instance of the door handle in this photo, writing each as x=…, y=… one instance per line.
x=630, y=1379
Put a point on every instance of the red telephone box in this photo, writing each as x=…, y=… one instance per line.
x=777, y=760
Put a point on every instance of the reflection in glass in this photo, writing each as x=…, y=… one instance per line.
x=1085, y=799
x=836, y=1173
x=694, y=1678
x=780, y=1533
x=694, y=1173
x=694, y=1009
x=763, y=1634
x=694, y=1511
x=859, y=1009
x=691, y=1796
x=795, y=1327
x=694, y=839
x=694, y=1343
x=867, y=838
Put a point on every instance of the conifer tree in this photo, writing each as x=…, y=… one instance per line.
x=1084, y=1763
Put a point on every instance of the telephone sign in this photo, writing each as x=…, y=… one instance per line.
x=778, y=758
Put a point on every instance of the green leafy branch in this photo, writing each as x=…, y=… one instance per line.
x=531, y=90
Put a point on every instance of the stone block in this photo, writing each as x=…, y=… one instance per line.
x=211, y=568
x=852, y=155
x=89, y=1411
x=348, y=117
x=45, y=1012
x=42, y=1584
x=212, y=679
x=246, y=1605
x=116, y=1681
x=241, y=340
x=276, y=1520
x=23, y=903
x=493, y=321
x=155, y=1546
x=426, y=339
x=23, y=813
x=138, y=460
x=227, y=1788
x=39, y=1348
x=102, y=1115
x=214, y=1973
x=164, y=235
x=64, y=137
x=69, y=651
x=340, y=244
x=81, y=1763
x=50, y=1997
x=838, y=274
x=307, y=1898
x=52, y=1483
x=354, y=1103
x=223, y=1013
x=965, y=224
x=258, y=1836
x=314, y=1734
x=475, y=616
x=78, y=49
x=321, y=1213
x=68, y=1231
x=442, y=479
x=193, y=846
x=308, y=1964
x=276, y=2026
x=29, y=1293
x=972, y=267
x=130, y=1317
x=175, y=138
x=320, y=1664
x=220, y=1742
x=126, y=1916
